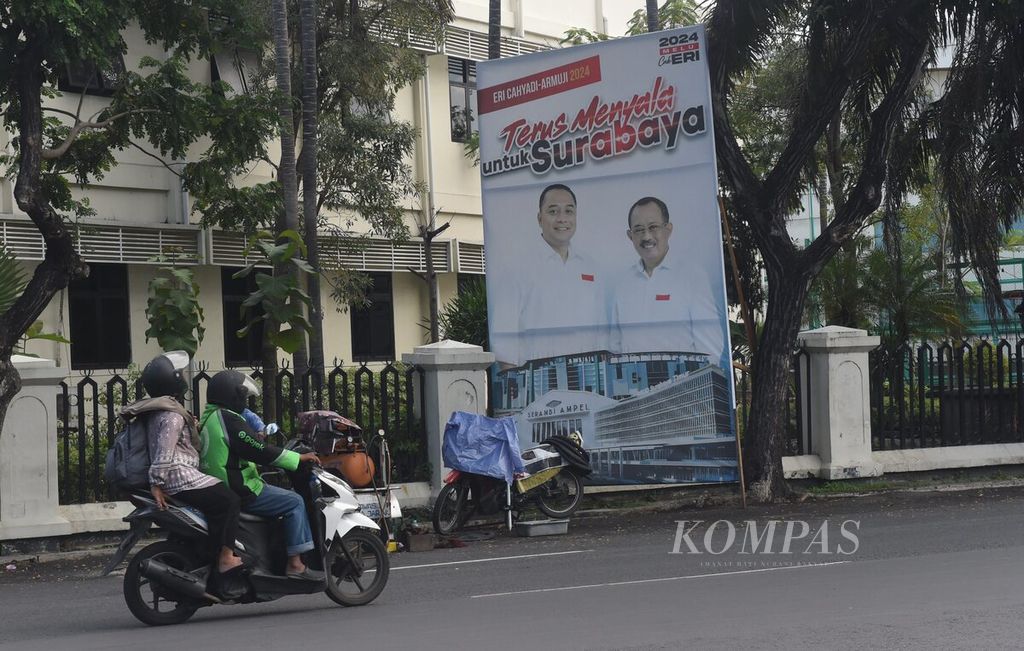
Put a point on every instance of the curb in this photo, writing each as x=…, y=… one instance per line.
x=50, y=557
x=657, y=506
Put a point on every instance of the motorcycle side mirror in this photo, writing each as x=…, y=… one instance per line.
x=272, y=429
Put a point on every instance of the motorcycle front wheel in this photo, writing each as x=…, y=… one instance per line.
x=150, y=602
x=357, y=568
x=449, y=508
x=560, y=496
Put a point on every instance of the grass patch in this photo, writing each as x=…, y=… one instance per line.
x=839, y=487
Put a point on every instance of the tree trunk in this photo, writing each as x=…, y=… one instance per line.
x=309, y=178
x=494, y=29
x=653, y=24
x=61, y=263
x=289, y=217
x=766, y=427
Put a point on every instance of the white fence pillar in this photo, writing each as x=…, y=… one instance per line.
x=840, y=403
x=455, y=379
x=28, y=455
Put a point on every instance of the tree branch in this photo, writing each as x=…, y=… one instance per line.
x=866, y=195
x=834, y=161
x=820, y=104
x=157, y=158
x=60, y=150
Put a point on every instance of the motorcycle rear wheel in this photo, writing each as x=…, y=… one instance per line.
x=449, y=508
x=357, y=568
x=560, y=496
x=145, y=598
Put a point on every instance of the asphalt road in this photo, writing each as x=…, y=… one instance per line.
x=919, y=571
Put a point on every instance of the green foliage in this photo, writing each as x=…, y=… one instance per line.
x=862, y=287
x=842, y=291
x=158, y=103
x=75, y=464
x=671, y=14
x=35, y=332
x=364, y=153
x=464, y=318
x=175, y=316
x=280, y=296
x=471, y=148
x=12, y=279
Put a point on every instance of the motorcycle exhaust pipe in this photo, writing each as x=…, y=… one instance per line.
x=185, y=584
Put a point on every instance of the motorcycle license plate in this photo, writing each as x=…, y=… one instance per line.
x=534, y=481
x=371, y=510
x=369, y=506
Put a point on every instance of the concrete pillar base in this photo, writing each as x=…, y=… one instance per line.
x=28, y=455
x=840, y=408
x=455, y=379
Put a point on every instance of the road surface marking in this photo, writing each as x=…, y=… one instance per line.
x=668, y=578
x=488, y=560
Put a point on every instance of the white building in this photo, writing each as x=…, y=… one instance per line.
x=141, y=212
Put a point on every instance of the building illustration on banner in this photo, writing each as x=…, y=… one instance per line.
x=605, y=274
x=644, y=417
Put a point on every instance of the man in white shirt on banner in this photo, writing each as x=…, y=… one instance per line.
x=559, y=300
x=664, y=302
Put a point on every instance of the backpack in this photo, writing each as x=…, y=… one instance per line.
x=128, y=457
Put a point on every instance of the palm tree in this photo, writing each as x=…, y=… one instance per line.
x=308, y=163
x=653, y=24
x=494, y=29
x=288, y=218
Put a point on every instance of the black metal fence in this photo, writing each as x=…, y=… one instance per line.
x=951, y=393
x=375, y=399
x=797, y=437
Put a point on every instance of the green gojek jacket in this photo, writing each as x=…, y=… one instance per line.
x=230, y=450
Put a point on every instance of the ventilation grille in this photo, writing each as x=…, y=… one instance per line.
x=458, y=42
x=227, y=249
x=471, y=258
x=102, y=243
x=22, y=239
x=362, y=255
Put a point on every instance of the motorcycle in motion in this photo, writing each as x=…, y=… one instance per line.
x=554, y=484
x=166, y=582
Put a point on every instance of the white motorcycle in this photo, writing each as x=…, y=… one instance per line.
x=166, y=582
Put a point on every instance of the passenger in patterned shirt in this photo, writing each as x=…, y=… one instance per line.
x=172, y=435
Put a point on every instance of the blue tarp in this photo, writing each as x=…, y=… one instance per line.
x=482, y=445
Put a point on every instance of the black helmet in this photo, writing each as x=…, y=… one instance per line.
x=230, y=389
x=162, y=376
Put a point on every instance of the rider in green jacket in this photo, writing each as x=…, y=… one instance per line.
x=230, y=452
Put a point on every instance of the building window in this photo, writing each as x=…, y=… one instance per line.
x=79, y=76
x=100, y=329
x=462, y=91
x=373, y=326
x=239, y=351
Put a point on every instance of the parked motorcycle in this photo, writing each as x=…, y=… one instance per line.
x=553, y=484
x=166, y=582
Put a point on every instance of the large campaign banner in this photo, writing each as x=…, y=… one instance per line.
x=605, y=274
